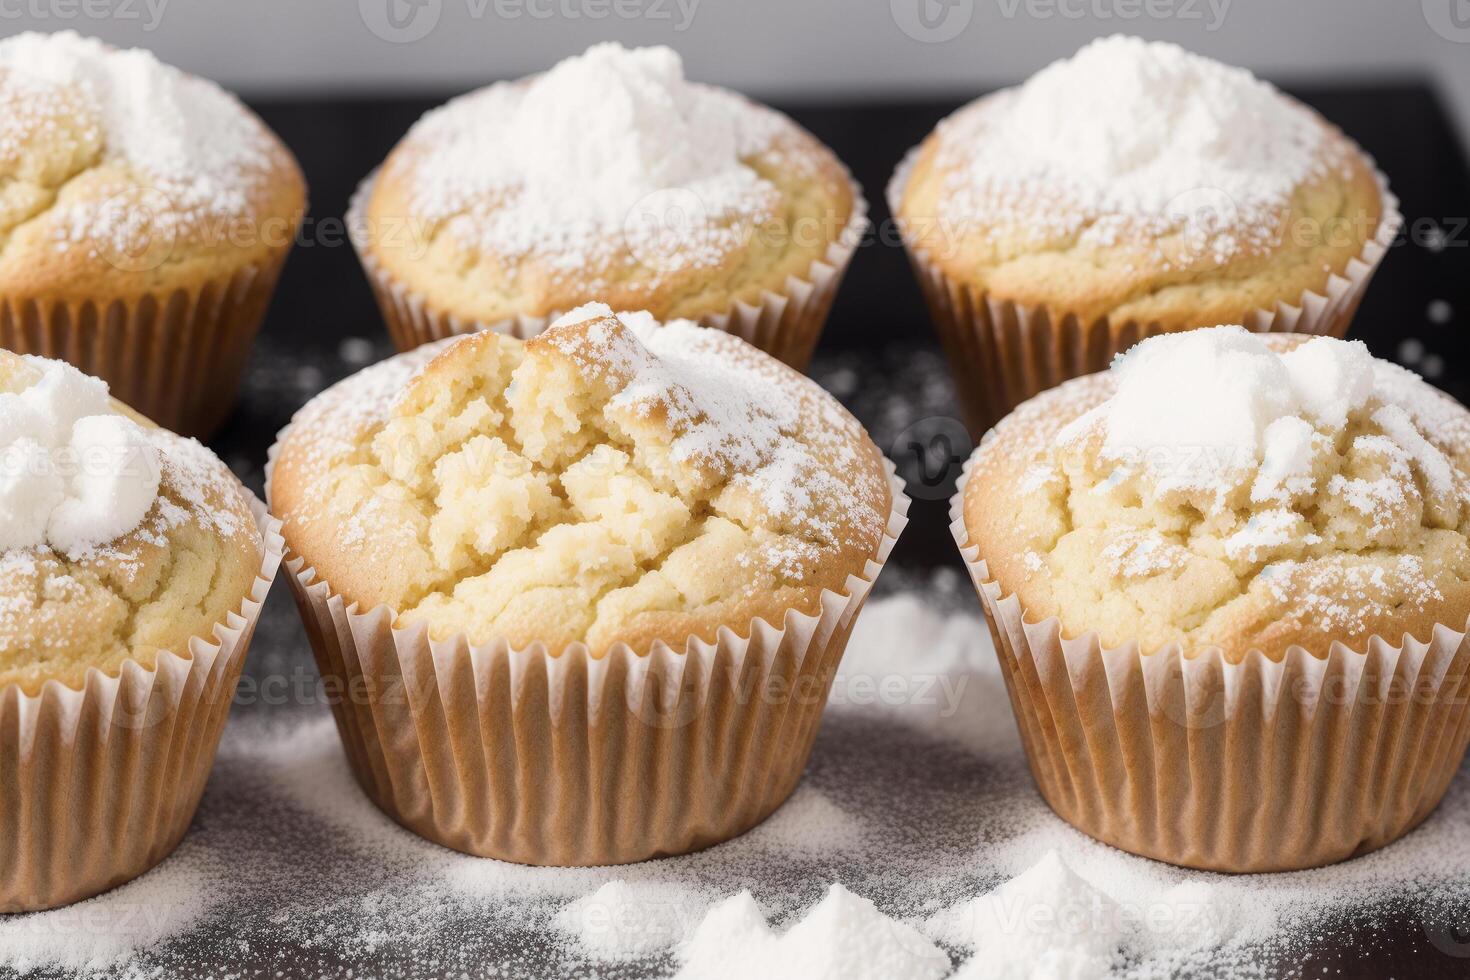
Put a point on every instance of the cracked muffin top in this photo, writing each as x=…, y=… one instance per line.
x=117, y=539
x=610, y=177
x=1224, y=489
x=1137, y=181
x=611, y=480
x=123, y=176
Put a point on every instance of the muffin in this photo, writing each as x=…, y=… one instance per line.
x=1131, y=190
x=132, y=570
x=1229, y=582
x=144, y=219
x=586, y=592
x=608, y=178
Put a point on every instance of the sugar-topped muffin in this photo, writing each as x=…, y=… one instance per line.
x=1229, y=584
x=118, y=539
x=1133, y=188
x=127, y=182
x=589, y=590
x=609, y=177
x=611, y=480
x=133, y=568
x=1224, y=489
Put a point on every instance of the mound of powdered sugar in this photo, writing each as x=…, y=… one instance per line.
x=842, y=937
x=1044, y=922
x=560, y=164
x=73, y=473
x=289, y=870
x=1130, y=135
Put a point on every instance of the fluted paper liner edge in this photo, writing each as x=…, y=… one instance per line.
x=177, y=357
x=100, y=783
x=785, y=324
x=1248, y=767
x=573, y=760
x=1002, y=352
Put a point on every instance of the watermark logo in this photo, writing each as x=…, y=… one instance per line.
x=1205, y=209
x=932, y=21
x=132, y=232
x=930, y=455
x=1448, y=934
x=659, y=228
x=1450, y=19
x=400, y=21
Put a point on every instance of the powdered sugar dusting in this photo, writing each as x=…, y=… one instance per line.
x=198, y=153
x=740, y=414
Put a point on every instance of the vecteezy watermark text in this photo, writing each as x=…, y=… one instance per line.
x=1211, y=12
x=936, y=21
x=404, y=21
x=150, y=12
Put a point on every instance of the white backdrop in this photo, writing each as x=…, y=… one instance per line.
x=773, y=48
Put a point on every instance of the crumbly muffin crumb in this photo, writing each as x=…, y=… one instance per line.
x=1221, y=489
x=611, y=480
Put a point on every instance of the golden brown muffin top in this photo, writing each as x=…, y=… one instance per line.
x=608, y=178
x=1136, y=181
x=611, y=480
x=123, y=176
x=179, y=568
x=1232, y=490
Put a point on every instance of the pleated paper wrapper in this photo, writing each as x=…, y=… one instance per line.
x=98, y=785
x=1002, y=352
x=785, y=324
x=1248, y=767
x=176, y=357
x=575, y=760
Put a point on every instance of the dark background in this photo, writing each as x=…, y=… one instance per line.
x=879, y=354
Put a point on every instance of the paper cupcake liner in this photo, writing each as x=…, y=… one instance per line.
x=176, y=357
x=1248, y=767
x=575, y=760
x=1001, y=352
x=101, y=783
x=785, y=324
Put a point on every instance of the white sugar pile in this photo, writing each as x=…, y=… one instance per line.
x=926, y=823
x=560, y=164
x=844, y=937
x=1045, y=921
x=1128, y=133
x=73, y=473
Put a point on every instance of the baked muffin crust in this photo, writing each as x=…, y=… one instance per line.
x=189, y=563
x=611, y=480
x=1339, y=533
